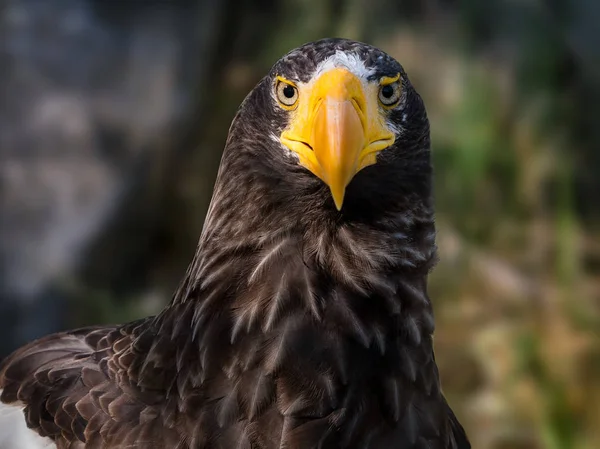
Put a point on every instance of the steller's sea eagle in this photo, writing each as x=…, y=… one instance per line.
x=303, y=321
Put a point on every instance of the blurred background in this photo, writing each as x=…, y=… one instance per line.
x=113, y=116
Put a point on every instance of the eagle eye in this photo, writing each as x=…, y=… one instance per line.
x=287, y=93
x=389, y=92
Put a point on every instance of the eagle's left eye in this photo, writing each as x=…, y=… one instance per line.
x=389, y=94
x=287, y=94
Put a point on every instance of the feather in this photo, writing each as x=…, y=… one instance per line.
x=260, y=394
x=312, y=433
x=228, y=408
x=392, y=397
x=279, y=347
x=266, y=258
x=277, y=303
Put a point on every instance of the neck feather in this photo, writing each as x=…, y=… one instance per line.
x=261, y=277
x=313, y=303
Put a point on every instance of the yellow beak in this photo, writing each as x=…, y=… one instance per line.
x=337, y=129
x=337, y=139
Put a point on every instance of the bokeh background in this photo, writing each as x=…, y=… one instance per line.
x=113, y=115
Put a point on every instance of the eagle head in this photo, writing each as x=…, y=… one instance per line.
x=335, y=127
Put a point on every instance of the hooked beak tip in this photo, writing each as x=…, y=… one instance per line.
x=338, y=197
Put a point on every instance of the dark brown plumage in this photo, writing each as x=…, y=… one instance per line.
x=297, y=325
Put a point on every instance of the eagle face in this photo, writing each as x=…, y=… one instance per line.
x=339, y=118
x=340, y=124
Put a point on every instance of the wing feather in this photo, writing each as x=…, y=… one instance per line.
x=79, y=386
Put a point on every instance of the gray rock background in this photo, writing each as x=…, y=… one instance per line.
x=98, y=99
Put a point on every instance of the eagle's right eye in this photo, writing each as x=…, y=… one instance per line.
x=287, y=94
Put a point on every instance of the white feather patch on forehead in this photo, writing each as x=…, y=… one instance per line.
x=348, y=60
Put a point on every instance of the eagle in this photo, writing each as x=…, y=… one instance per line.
x=303, y=320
